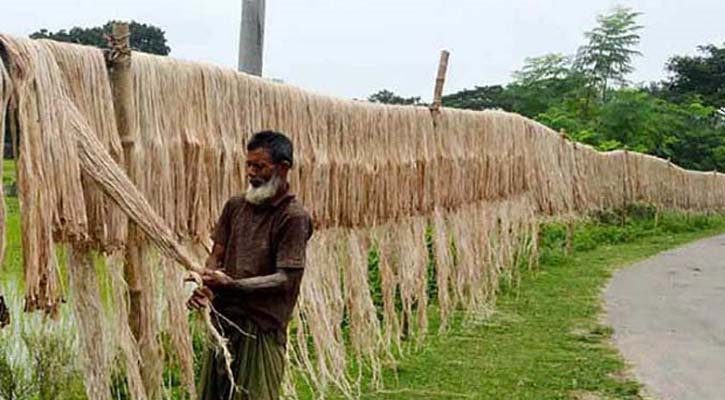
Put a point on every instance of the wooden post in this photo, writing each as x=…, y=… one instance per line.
x=119, y=60
x=625, y=194
x=657, y=216
x=570, y=226
x=141, y=313
x=440, y=81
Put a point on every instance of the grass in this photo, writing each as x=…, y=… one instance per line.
x=545, y=339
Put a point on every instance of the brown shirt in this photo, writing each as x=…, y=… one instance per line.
x=258, y=240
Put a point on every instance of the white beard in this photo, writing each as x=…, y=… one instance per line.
x=258, y=195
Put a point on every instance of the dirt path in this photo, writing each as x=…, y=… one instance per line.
x=668, y=315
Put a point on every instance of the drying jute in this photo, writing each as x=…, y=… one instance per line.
x=454, y=198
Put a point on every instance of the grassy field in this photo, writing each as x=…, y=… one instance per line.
x=545, y=339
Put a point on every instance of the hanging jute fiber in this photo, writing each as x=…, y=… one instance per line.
x=452, y=207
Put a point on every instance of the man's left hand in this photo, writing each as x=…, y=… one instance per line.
x=216, y=279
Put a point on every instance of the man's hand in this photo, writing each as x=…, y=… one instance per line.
x=200, y=299
x=216, y=279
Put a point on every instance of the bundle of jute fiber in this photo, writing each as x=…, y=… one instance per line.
x=88, y=313
x=67, y=143
x=378, y=163
x=38, y=205
x=130, y=355
x=320, y=314
x=84, y=72
x=37, y=81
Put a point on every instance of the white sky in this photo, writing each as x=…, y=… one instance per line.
x=352, y=48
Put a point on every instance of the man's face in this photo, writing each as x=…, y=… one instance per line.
x=260, y=167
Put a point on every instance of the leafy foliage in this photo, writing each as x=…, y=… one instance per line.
x=51, y=371
x=387, y=97
x=700, y=76
x=480, y=98
x=607, y=56
x=145, y=38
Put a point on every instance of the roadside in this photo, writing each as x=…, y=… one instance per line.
x=545, y=339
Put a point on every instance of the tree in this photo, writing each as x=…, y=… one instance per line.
x=543, y=82
x=387, y=97
x=552, y=67
x=480, y=98
x=145, y=38
x=702, y=75
x=607, y=57
x=540, y=83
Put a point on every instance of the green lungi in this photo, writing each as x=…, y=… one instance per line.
x=258, y=365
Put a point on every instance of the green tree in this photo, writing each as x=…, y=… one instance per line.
x=145, y=38
x=701, y=75
x=388, y=97
x=552, y=67
x=544, y=82
x=606, y=59
x=480, y=98
x=539, y=84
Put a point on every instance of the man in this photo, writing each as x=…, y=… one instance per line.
x=253, y=274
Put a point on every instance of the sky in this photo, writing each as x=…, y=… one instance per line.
x=353, y=48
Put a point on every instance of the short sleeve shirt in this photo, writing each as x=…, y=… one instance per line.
x=258, y=240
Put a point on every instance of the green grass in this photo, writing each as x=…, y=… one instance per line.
x=545, y=339
x=8, y=171
x=13, y=263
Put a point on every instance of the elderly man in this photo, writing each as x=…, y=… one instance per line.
x=253, y=274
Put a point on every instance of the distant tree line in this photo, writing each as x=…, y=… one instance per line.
x=145, y=38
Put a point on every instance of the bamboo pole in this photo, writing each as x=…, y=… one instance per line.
x=119, y=60
x=139, y=278
x=570, y=228
x=626, y=186
x=440, y=81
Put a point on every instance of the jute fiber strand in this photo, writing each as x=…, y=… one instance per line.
x=62, y=141
x=128, y=353
x=5, y=91
x=88, y=311
x=450, y=204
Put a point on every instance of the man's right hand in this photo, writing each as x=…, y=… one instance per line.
x=200, y=299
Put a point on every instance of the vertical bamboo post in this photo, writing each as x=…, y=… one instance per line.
x=625, y=197
x=440, y=81
x=119, y=60
x=657, y=216
x=570, y=226
x=141, y=318
x=570, y=220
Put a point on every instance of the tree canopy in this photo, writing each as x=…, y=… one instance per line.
x=388, y=97
x=144, y=37
x=700, y=76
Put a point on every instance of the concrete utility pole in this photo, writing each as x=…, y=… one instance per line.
x=251, y=37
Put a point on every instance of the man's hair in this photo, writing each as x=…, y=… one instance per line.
x=277, y=144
